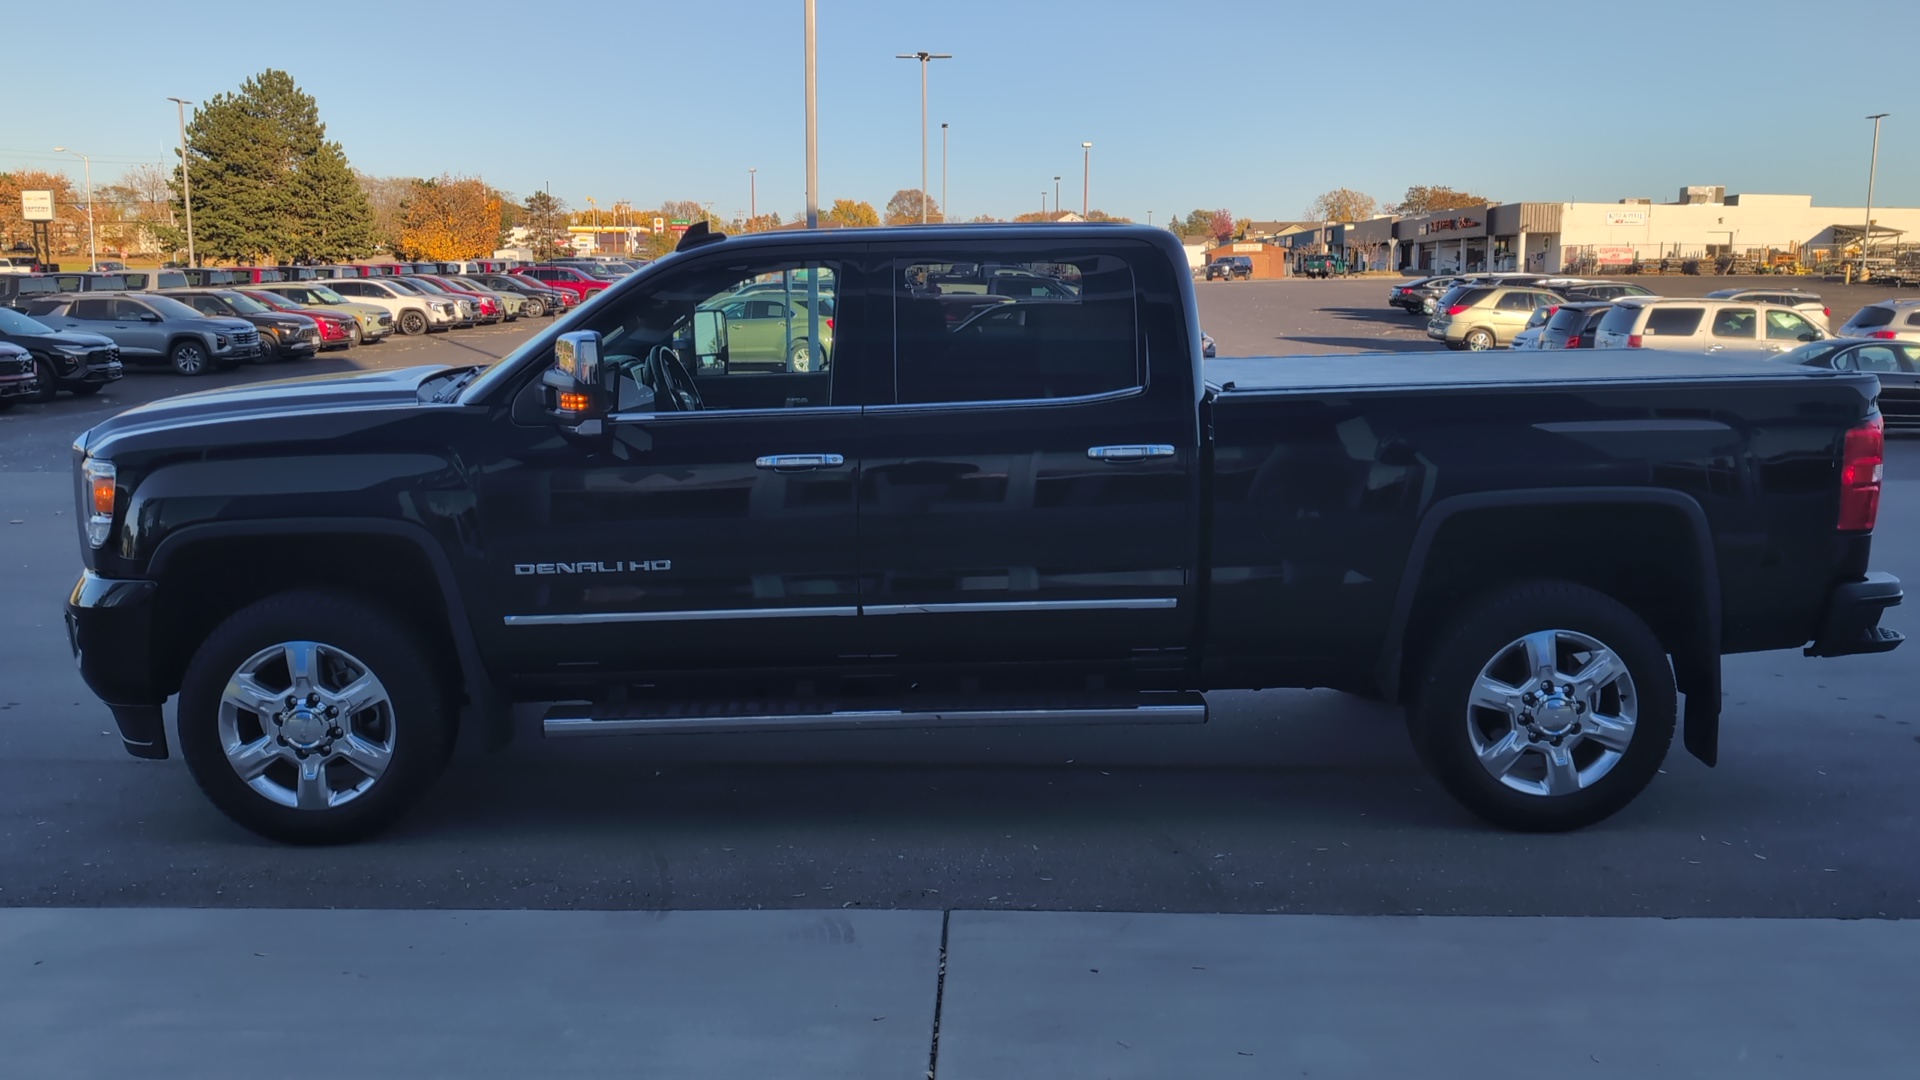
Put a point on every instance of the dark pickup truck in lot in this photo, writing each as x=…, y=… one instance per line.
x=1051, y=514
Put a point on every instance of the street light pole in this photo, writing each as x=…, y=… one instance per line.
x=925, y=58
x=944, y=210
x=186, y=177
x=1873, y=167
x=1056, y=195
x=93, y=253
x=1086, y=174
x=813, y=128
x=753, y=195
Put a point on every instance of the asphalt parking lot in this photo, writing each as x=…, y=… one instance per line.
x=1296, y=801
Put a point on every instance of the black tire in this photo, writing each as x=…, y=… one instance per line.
x=412, y=323
x=189, y=357
x=534, y=308
x=48, y=377
x=355, y=335
x=422, y=728
x=800, y=352
x=1478, y=340
x=86, y=389
x=1441, y=721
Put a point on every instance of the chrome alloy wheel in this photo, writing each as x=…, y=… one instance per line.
x=1552, y=713
x=307, y=725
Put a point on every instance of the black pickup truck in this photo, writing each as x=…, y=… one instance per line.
x=1042, y=512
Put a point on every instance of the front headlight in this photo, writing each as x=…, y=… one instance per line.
x=102, y=491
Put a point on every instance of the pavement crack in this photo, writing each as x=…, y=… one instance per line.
x=939, y=996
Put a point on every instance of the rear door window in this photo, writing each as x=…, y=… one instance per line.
x=1734, y=323
x=959, y=348
x=130, y=310
x=95, y=309
x=1876, y=358
x=1669, y=321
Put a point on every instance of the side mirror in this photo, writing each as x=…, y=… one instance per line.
x=574, y=396
x=149, y=317
x=710, y=341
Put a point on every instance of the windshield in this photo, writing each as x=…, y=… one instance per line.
x=408, y=285
x=245, y=305
x=12, y=322
x=327, y=296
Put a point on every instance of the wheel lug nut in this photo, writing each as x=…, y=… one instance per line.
x=313, y=699
x=301, y=754
x=292, y=701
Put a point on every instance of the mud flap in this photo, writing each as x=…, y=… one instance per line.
x=1698, y=677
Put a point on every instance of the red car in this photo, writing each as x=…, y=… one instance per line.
x=485, y=306
x=337, y=331
x=581, y=284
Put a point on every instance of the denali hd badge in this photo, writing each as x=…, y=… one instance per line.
x=527, y=568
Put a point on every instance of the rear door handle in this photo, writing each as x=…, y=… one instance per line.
x=1130, y=452
x=798, y=462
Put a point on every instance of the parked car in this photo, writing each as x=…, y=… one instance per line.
x=298, y=273
x=19, y=379
x=1528, y=338
x=1207, y=348
x=1887, y=320
x=1323, y=266
x=338, y=329
x=463, y=315
x=213, y=277
x=152, y=328
x=1037, y=527
x=1719, y=327
x=1411, y=295
x=765, y=333
x=510, y=303
x=1481, y=317
x=1807, y=304
x=575, y=281
x=153, y=280
x=282, y=336
x=1228, y=267
x=255, y=275
x=1895, y=363
x=79, y=362
x=541, y=300
x=109, y=266
x=1587, y=291
x=1574, y=325
x=17, y=289
x=372, y=323
x=413, y=314
x=15, y=264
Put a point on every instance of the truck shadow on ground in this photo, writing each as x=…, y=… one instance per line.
x=1382, y=343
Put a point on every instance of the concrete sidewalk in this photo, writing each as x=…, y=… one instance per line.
x=847, y=995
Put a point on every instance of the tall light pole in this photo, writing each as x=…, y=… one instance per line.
x=753, y=195
x=813, y=130
x=1086, y=174
x=1056, y=195
x=186, y=178
x=943, y=172
x=1873, y=166
x=1149, y=218
x=925, y=58
x=93, y=253
x=1043, y=203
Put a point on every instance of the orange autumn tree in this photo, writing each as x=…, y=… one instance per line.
x=67, y=208
x=449, y=217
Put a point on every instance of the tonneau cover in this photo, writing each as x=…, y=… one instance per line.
x=1437, y=369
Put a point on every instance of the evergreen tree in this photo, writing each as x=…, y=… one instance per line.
x=266, y=182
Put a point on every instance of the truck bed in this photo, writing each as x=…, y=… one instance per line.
x=1442, y=369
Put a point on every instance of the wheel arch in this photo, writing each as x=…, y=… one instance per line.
x=395, y=564
x=1461, y=538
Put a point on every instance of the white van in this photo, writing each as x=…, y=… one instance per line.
x=1701, y=325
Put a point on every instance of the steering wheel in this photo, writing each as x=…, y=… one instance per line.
x=672, y=381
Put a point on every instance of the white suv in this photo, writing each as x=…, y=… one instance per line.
x=1806, y=303
x=412, y=313
x=1715, y=327
x=1889, y=320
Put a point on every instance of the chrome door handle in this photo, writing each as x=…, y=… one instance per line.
x=795, y=462
x=1133, y=452
x=1715, y=348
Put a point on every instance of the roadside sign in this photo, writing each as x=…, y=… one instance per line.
x=659, y=224
x=36, y=205
x=680, y=225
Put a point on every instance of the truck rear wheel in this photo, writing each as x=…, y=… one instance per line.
x=313, y=718
x=1545, y=707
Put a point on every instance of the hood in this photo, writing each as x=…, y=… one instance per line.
x=220, y=324
x=71, y=339
x=312, y=394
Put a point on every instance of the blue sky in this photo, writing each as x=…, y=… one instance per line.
x=647, y=101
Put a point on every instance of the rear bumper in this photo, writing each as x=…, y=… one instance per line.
x=110, y=629
x=1853, y=625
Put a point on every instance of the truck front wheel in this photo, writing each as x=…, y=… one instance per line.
x=1545, y=707
x=313, y=718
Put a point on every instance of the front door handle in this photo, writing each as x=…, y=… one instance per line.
x=798, y=462
x=1130, y=452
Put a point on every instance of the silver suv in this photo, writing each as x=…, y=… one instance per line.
x=1481, y=317
x=1806, y=303
x=1715, y=327
x=1888, y=320
x=151, y=328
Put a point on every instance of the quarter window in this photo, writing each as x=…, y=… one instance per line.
x=1670, y=322
x=1070, y=331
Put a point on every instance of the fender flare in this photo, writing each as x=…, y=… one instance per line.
x=1696, y=670
x=488, y=705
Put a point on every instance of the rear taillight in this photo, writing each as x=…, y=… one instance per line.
x=1406, y=292
x=1826, y=313
x=1573, y=343
x=1634, y=341
x=1457, y=309
x=1862, y=459
x=1883, y=335
x=1551, y=309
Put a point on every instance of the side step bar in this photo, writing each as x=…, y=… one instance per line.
x=575, y=720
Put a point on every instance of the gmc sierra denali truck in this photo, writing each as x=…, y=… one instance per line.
x=1036, y=511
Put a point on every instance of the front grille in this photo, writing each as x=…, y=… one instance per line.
x=106, y=356
x=246, y=337
x=10, y=365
